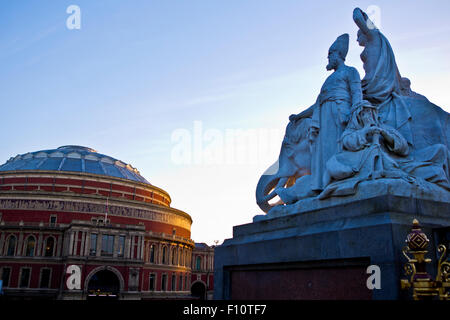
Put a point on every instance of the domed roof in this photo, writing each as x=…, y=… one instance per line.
x=74, y=159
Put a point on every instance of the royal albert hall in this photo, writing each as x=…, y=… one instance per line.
x=77, y=224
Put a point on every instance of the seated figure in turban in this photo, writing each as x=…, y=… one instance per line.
x=372, y=150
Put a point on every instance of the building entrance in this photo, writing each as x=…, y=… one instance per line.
x=198, y=290
x=104, y=284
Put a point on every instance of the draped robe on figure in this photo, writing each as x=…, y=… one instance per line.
x=360, y=159
x=419, y=121
x=382, y=87
x=339, y=92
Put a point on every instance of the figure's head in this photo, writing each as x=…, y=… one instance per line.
x=338, y=52
x=364, y=114
x=368, y=117
x=334, y=60
x=361, y=38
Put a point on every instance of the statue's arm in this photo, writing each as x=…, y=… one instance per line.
x=394, y=141
x=354, y=140
x=304, y=114
x=361, y=18
x=354, y=82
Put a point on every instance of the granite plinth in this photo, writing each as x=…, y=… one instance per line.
x=323, y=251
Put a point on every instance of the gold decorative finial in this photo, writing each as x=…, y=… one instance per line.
x=420, y=281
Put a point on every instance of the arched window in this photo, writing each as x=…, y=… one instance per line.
x=29, y=248
x=174, y=256
x=198, y=263
x=164, y=255
x=152, y=254
x=49, y=247
x=11, y=246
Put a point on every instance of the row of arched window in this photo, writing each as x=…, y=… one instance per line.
x=203, y=263
x=173, y=255
x=11, y=247
x=169, y=255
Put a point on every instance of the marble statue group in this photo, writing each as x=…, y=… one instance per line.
x=360, y=131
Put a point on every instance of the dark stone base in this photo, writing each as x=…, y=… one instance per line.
x=324, y=253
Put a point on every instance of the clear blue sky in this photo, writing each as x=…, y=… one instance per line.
x=138, y=71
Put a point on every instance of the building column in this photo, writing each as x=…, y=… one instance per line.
x=87, y=243
x=75, y=247
x=71, y=238
x=83, y=238
x=98, y=250
x=116, y=245
x=131, y=253
x=59, y=245
x=40, y=245
x=127, y=246
x=142, y=247
x=138, y=246
x=20, y=249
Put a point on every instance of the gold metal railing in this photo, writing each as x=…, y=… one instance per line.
x=420, y=282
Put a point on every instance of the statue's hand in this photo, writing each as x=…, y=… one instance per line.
x=387, y=136
x=375, y=130
x=360, y=18
x=368, y=131
x=357, y=12
x=383, y=132
x=293, y=117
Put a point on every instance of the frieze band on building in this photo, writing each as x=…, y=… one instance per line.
x=75, y=206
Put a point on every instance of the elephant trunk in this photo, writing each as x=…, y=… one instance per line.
x=265, y=185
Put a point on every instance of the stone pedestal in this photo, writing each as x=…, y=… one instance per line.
x=322, y=250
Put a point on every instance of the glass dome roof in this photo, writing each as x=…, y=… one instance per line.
x=74, y=159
